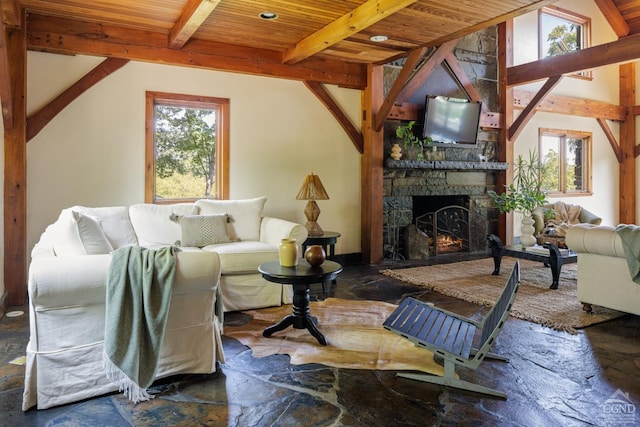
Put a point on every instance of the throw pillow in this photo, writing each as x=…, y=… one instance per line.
x=91, y=235
x=204, y=230
x=153, y=225
x=245, y=215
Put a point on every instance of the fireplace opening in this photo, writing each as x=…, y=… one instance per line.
x=444, y=222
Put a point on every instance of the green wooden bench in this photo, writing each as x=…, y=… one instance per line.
x=451, y=336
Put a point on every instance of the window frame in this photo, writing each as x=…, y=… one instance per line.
x=221, y=105
x=562, y=134
x=567, y=15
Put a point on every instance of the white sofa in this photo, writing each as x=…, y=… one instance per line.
x=250, y=240
x=603, y=274
x=67, y=287
x=67, y=309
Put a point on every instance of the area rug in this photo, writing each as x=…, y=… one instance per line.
x=354, y=332
x=472, y=281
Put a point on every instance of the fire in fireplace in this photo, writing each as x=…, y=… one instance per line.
x=447, y=229
x=446, y=244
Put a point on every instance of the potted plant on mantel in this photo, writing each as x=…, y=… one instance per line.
x=409, y=139
x=523, y=195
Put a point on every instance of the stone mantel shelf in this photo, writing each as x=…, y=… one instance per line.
x=444, y=164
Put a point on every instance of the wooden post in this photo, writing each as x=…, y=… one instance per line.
x=15, y=171
x=371, y=169
x=627, y=213
x=505, y=145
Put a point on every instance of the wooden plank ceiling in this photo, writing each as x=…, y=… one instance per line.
x=320, y=40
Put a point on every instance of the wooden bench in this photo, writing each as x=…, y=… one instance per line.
x=451, y=336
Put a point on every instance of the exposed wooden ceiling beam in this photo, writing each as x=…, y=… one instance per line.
x=193, y=15
x=42, y=117
x=59, y=35
x=614, y=17
x=530, y=110
x=325, y=97
x=351, y=23
x=6, y=96
x=405, y=75
x=623, y=50
x=571, y=106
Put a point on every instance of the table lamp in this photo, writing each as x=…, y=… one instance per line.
x=312, y=190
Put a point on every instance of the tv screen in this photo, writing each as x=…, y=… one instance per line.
x=451, y=120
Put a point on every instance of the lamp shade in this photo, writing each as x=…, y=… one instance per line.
x=312, y=189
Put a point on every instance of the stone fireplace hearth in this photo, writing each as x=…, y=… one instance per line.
x=415, y=192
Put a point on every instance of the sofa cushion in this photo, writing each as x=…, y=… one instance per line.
x=153, y=224
x=203, y=230
x=113, y=220
x=91, y=235
x=245, y=215
x=243, y=257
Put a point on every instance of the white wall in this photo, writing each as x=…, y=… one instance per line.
x=92, y=153
x=603, y=87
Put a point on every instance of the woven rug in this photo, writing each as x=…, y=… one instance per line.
x=472, y=281
x=353, y=329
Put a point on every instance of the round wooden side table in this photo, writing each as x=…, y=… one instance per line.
x=301, y=277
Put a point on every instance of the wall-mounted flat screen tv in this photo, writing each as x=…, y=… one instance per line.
x=451, y=120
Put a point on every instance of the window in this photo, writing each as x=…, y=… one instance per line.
x=562, y=31
x=566, y=161
x=187, y=147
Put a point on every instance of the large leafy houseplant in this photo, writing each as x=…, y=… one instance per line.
x=525, y=193
x=405, y=132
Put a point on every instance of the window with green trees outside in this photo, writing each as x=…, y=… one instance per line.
x=186, y=147
x=566, y=156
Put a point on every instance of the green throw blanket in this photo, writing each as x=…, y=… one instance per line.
x=138, y=296
x=630, y=236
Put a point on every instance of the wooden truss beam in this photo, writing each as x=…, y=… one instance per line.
x=325, y=97
x=37, y=121
x=434, y=60
x=403, y=78
x=571, y=106
x=614, y=17
x=530, y=110
x=463, y=80
x=623, y=50
x=60, y=35
x=363, y=16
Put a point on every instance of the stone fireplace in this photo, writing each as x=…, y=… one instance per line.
x=449, y=175
x=436, y=207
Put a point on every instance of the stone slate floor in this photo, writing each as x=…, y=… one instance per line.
x=553, y=379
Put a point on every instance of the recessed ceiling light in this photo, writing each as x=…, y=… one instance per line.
x=269, y=16
x=379, y=38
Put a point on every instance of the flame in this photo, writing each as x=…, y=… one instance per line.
x=449, y=244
